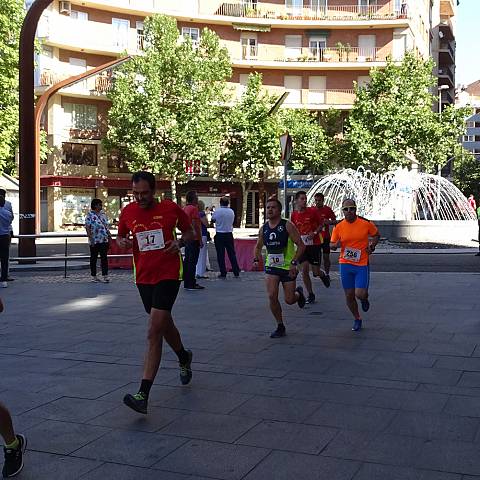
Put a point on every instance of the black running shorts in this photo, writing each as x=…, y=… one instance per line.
x=311, y=255
x=161, y=295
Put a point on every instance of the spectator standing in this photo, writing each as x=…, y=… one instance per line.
x=203, y=256
x=192, y=247
x=223, y=218
x=6, y=219
x=472, y=202
x=97, y=227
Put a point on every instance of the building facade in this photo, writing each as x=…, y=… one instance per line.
x=317, y=50
x=470, y=96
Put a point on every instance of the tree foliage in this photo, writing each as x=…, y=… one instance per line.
x=466, y=174
x=167, y=103
x=11, y=17
x=392, y=117
x=310, y=144
x=252, y=147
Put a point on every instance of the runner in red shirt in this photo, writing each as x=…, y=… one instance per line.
x=158, y=272
x=310, y=224
x=329, y=218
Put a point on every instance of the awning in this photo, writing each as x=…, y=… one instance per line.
x=317, y=33
x=251, y=28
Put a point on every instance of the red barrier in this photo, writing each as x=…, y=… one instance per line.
x=125, y=263
x=244, y=249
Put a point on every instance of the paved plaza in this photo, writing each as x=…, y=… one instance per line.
x=398, y=401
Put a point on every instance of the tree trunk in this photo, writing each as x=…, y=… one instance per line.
x=245, y=191
x=173, y=187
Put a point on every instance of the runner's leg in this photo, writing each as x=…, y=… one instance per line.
x=15, y=445
x=307, y=281
x=272, y=282
x=6, y=426
x=352, y=303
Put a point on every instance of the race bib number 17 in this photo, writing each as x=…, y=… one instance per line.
x=150, y=240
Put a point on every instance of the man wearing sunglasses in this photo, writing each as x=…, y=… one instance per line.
x=357, y=238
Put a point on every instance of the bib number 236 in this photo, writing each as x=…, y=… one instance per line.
x=150, y=240
x=352, y=254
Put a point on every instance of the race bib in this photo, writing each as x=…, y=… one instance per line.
x=150, y=240
x=275, y=259
x=307, y=240
x=352, y=254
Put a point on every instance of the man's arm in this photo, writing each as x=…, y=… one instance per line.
x=297, y=239
x=374, y=237
x=257, y=251
x=123, y=231
x=335, y=241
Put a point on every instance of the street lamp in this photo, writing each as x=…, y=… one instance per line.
x=440, y=89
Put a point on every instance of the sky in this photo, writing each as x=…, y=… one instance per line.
x=468, y=42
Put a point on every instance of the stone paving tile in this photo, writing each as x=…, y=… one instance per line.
x=72, y=409
x=434, y=426
x=282, y=466
x=470, y=379
x=440, y=348
x=20, y=402
x=370, y=471
x=62, y=437
x=212, y=459
x=352, y=417
x=281, y=409
x=112, y=471
x=463, y=406
x=125, y=418
x=288, y=436
x=46, y=466
x=408, y=401
x=139, y=449
x=88, y=388
x=208, y=426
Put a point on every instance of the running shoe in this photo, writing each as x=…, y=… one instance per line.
x=325, y=279
x=137, y=402
x=357, y=325
x=279, y=332
x=311, y=298
x=301, y=299
x=222, y=276
x=95, y=279
x=186, y=369
x=3, y=284
x=195, y=287
x=14, y=458
x=105, y=279
x=365, y=305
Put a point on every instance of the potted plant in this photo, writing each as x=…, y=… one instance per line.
x=340, y=50
x=348, y=49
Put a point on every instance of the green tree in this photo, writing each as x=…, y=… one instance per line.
x=310, y=144
x=11, y=17
x=466, y=174
x=393, y=117
x=252, y=146
x=167, y=103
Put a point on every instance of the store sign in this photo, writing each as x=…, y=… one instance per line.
x=76, y=204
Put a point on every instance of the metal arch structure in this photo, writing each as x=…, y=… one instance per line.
x=29, y=125
x=29, y=171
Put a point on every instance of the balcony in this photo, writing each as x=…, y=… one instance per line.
x=87, y=36
x=446, y=75
x=243, y=9
x=446, y=54
x=326, y=58
x=313, y=99
x=96, y=86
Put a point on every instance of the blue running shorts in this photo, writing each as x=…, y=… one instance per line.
x=354, y=276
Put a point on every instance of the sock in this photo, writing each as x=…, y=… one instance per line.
x=145, y=387
x=280, y=326
x=14, y=445
x=182, y=355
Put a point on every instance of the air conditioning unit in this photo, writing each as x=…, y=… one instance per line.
x=65, y=8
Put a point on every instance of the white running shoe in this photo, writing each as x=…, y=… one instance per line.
x=3, y=284
x=105, y=279
x=95, y=279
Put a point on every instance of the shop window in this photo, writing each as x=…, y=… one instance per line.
x=79, y=154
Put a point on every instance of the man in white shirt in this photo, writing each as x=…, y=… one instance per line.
x=223, y=218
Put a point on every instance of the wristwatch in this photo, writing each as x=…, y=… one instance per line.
x=294, y=263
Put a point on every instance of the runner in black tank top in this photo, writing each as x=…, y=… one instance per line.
x=280, y=236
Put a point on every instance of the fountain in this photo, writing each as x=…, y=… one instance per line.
x=405, y=204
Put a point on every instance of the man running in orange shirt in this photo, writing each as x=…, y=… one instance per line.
x=309, y=223
x=357, y=238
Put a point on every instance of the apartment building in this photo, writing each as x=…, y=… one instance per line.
x=470, y=96
x=314, y=49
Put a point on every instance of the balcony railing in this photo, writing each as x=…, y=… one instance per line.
x=334, y=12
x=447, y=46
x=328, y=54
x=98, y=85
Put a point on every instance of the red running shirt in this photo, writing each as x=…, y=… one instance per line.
x=153, y=266
x=307, y=222
x=327, y=214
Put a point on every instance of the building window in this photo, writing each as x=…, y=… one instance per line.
x=317, y=45
x=140, y=36
x=80, y=116
x=249, y=47
x=468, y=138
x=192, y=33
x=117, y=164
x=121, y=29
x=81, y=16
x=79, y=154
x=470, y=124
